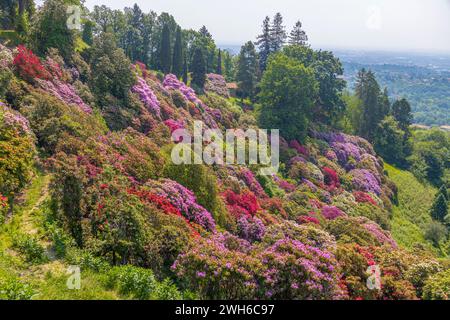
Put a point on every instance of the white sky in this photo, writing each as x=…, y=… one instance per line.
x=422, y=25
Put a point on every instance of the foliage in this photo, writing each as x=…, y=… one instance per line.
x=287, y=95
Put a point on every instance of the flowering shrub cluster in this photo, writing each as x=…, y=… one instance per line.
x=363, y=197
x=245, y=203
x=171, y=82
x=249, y=178
x=65, y=92
x=29, y=66
x=184, y=200
x=331, y=213
x=216, y=83
x=14, y=120
x=364, y=180
x=294, y=144
x=382, y=236
x=331, y=178
x=147, y=96
x=250, y=229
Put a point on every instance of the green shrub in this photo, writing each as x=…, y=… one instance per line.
x=438, y=287
x=13, y=289
x=30, y=248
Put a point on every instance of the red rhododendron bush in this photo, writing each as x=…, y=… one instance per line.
x=103, y=127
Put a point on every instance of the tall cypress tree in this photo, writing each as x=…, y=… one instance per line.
x=219, y=63
x=443, y=190
x=298, y=35
x=185, y=71
x=198, y=69
x=264, y=44
x=277, y=33
x=177, y=63
x=165, y=56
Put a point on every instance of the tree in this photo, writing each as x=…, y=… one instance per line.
x=198, y=70
x=401, y=110
x=277, y=33
x=185, y=71
x=165, y=50
x=247, y=70
x=288, y=90
x=298, y=35
x=373, y=102
x=177, y=63
x=391, y=142
x=50, y=30
x=264, y=43
x=88, y=32
x=111, y=72
x=443, y=190
x=204, y=32
x=328, y=72
x=439, y=209
x=219, y=62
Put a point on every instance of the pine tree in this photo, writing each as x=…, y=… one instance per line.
x=443, y=190
x=204, y=32
x=177, y=62
x=298, y=35
x=439, y=209
x=264, y=44
x=198, y=69
x=277, y=33
x=375, y=103
x=219, y=62
x=165, y=57
x=247, y=70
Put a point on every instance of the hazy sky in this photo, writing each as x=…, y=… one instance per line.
x=371, y=24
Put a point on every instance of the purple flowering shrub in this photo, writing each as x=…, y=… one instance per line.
x=184, y=200
x=216, y=83
x=147, y=96
x=171, y=82
x=364, y=180
x=65, y=92
x=250, y=228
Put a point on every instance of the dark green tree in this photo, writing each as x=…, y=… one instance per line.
x=401, y=110
x=443, y=190
x=219, y=62
x=298, y=35
x=165, y=56
x=185, y=71
x=198, y=70
x=50, y=29
x=288, y=91
x=264, y=43
x=439, y=210
x=373, y=103
x=177, y=62
x=88, y=32
x=247, y=70
x=390, y=141
x=277, y=33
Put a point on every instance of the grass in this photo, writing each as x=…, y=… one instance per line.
x=411, y=216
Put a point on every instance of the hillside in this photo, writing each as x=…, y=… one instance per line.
x=96, y=187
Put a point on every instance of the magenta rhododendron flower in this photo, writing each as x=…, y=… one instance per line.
x=331, y=212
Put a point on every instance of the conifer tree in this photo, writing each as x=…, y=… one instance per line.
x=219, y=63
x=439, y=209
x=247, y=70
x=165, y=56
x=298, y=35
x=264, y=44
x=401, y=110
x=277, y=33
x=444, y=192
x=177, y=62
x=185, y=71
x=198, y=69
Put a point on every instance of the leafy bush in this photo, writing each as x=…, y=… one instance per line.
x=13, y=289
x=30, y=247
x=438, y=287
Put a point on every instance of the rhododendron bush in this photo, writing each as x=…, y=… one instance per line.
x=29, y=65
